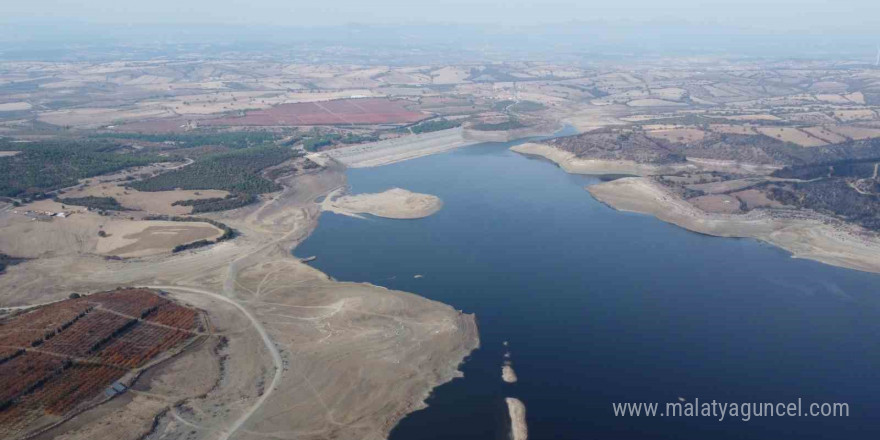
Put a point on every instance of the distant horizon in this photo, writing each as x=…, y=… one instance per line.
x=662, y=37
x=782, y=15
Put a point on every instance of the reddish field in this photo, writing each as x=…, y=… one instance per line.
x=339, y=112
x=62, y=355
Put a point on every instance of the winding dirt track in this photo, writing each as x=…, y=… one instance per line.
x=276, y=356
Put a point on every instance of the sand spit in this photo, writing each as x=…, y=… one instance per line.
x=804, y=234
x=575, y=165
x=507, y=373
x=395, y=203
x=518, y=428
x=404, y=148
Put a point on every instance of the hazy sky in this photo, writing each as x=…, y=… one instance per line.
x=781, y=15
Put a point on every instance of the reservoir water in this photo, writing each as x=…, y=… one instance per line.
x=600, y=306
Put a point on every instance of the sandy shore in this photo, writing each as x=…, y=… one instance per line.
x=519, y=430
x=804, y=234
x=575, y=165
x=395, y=203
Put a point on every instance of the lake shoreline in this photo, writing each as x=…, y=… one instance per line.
x=803, y=234
x=711, y=296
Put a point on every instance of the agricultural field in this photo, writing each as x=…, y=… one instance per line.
x=338, y=112
x=793, y=135
x=678, y=135
x=65, y=356
x=110, y=172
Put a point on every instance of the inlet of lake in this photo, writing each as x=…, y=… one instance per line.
x=601, y=307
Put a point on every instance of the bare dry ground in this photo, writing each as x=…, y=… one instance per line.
x=721, y=203
x=157, y=202
x=141, y=238
x=14, y=106
x=303, y=356
x=756, y=199
x=26, y=232
x=732, y=129
x=825, y=134
x=854, y=132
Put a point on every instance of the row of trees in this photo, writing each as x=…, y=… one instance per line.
x=832, y=196
x=93, y=202
x=434, y=125
x=212, y=204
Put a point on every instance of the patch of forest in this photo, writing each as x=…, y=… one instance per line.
x=93, y=202
x=620, y=145
x=316, y=140
x=510, y=124
x=212, y=204
x=236, y=171
x=429, y=126
x=233, y=139
x=6, y=260
x=831, y=196
x=46, y=166
x=855, y=168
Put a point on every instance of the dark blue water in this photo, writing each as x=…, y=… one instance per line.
x=600, y=306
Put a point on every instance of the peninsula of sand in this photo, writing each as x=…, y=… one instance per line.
x=395, y=203
x=804, y=233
